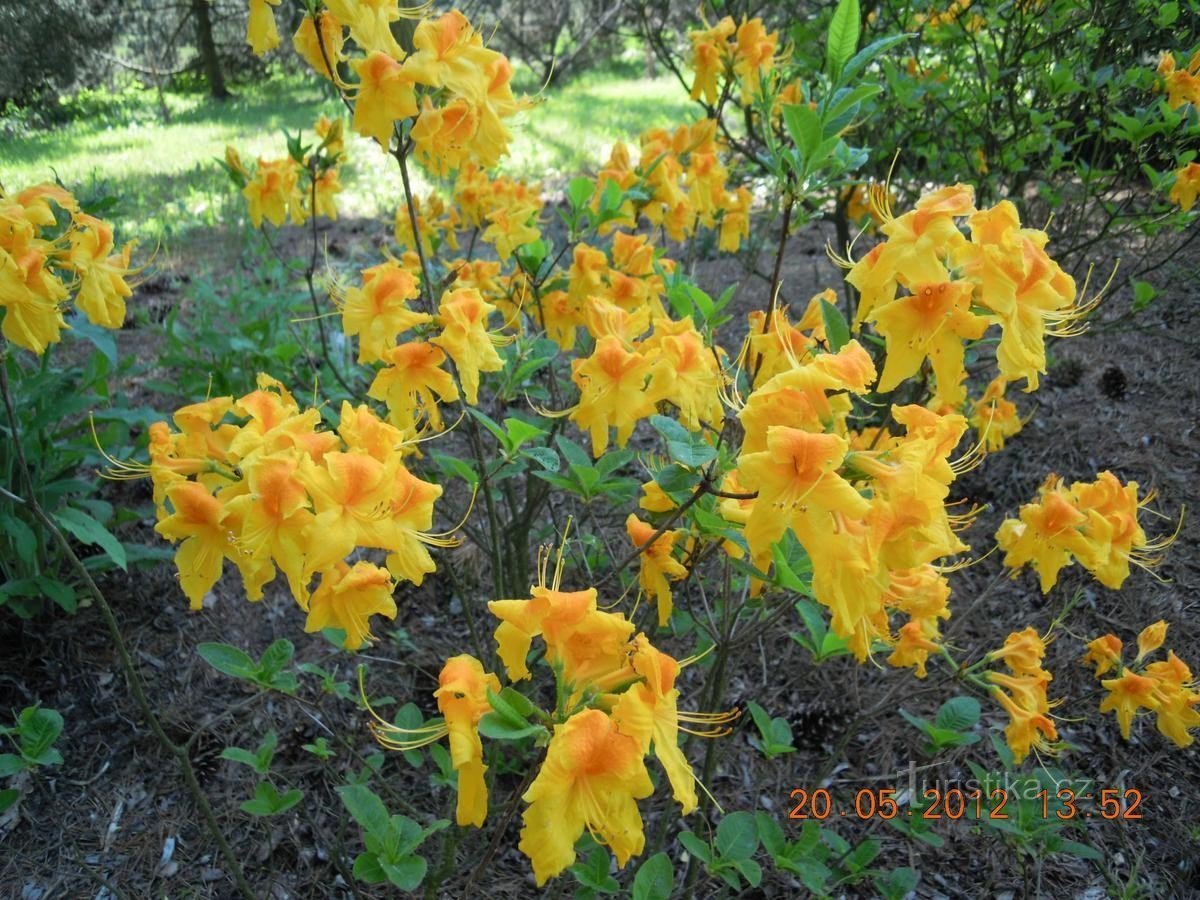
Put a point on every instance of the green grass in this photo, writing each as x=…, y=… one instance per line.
x=168, y=183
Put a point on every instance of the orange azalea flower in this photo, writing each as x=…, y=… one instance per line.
x=102, y=273
x=612, y=392
x=1187, y=183
x=912, y=647
x=1028, y=729
x=463, y=315
x=657, y=564
x=592, y=778
x=1104, y=652
x=378, y=312
x=370, y=23
x=197, y=522
x=1150, y=639
x=385, y=94
x=415, y=380
x=347, y=597
x=261, y=33
x=1127, y=694
x=309, y=45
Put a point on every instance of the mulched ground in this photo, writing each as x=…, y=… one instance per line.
x=1122, y=397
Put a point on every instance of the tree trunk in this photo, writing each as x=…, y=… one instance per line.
x=208, y=50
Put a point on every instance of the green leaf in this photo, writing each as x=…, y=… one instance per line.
x=695, y=846
x=842, y=39
x=496, y=727
x=750, y=870
x=367, y=809
x=368, y=869
x=39, y=730
x=10, y=764
x=896, y=884
x=62, y=594
x=22, y=536
x=543, y=456
x=1143, y=295
x=958, y=714
x=837, y=331
x=269, y=802
x=655, y=879
x=867, y=54
x=227, y=659
x=579, y=192
x=276, y=656
x=406, y=873
x=1083, y=851
x=89, y=531
x=240, y=755
x=737, y=835
x=8, y=797
x=804, y=125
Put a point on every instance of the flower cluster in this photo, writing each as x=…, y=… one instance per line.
x=302, y=184
x=1166, y=687
x=1092, y=523
x=53, y=252
x=957, y=287
x=678, y=183
x=1182, y=85
x=728, y=51
x=255, y=480
x=456, y=91
x=616, y=703
x=1030, y=727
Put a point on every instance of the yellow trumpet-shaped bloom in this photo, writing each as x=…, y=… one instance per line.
x=347, y=597
x=463, y=315
x=592, y=778
x=462, y=699
x=612, y=392
x=378, y=312
x=261, y=32
x=385, y=94
x=657, y=564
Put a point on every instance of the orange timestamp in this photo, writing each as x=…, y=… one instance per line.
x=953, y=803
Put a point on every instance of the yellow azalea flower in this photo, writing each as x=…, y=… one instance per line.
x=1151, y=638
x=463, y=315
x=1127, y=694
x=370, y=23
x=919, y=247
x=275, y=518
x=1028, y=729
x=1187, y=185
x=1046, y=536
x=510, y=228
x=1182, y=85
x=709, y=52
x=414, y=382
x=912, y=647
x=102, y=273
x=347, y=492
x=378, y=312
x=1176, y=715
x=411, y=512
x=347, y=597
x=796, y=478
x=753, y=56
x=1104, y=652
x=331, y=40
x=197, y=521
x=385, y=94
x=687, y=372
x=1023, y=652
x=442, y=135
x=261, y=33
x=1021, y=284
x=994, y=418
x=325, y=189
x=272, y=191
x=590, y=645
x=657, y=564
x=1029, y=691
x=592, y=778
x=735, y=221
x=931, y=324
x=462, y=699
x=448, y=52
x=612, y=392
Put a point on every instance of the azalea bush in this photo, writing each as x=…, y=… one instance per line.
x=517, y=370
